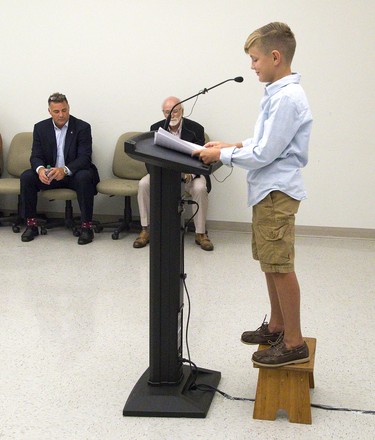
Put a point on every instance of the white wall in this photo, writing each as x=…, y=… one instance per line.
x=117, y=59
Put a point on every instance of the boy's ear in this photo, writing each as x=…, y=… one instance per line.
x=276, y=56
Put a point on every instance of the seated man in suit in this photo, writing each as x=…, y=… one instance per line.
x=60, y=158
x=197, y=186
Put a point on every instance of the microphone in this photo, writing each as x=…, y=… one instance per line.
x=238, y=79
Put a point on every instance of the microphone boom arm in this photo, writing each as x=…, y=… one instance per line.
x=210, y=88
x=202, y=92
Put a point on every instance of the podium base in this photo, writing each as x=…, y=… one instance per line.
x=172, y=400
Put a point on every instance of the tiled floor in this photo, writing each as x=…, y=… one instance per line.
x=74, y=337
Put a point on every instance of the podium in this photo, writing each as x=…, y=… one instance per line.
x=164, y=389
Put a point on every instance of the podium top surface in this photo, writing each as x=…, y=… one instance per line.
x=142, y=148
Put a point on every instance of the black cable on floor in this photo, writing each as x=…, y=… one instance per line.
x=205, y=387
x=334, y=408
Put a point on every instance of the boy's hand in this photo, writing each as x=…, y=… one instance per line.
x=219, y=144
x=207, y=155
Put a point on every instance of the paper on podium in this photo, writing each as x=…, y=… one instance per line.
x=169, y=140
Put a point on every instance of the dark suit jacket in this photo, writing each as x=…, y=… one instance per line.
x=192, y=132
x=77, y=150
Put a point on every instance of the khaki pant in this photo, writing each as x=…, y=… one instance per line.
x=274, y=232
x=196, y=188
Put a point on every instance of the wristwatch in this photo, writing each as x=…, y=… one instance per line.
x=66, y=171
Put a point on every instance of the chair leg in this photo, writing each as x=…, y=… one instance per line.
x=128, y=213
x=19, y=221
x=68, y=221
x=124, y=224
x=14, y=219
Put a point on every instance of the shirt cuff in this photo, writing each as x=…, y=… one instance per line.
x=226, y=155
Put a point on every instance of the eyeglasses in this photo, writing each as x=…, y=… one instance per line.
x=174, y=112
x=57, y=97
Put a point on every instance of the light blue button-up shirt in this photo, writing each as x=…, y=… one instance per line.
x=60, y=134
x=279, y=149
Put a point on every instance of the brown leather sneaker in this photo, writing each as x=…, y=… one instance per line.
x=261, y=335
x=204, y=242
x=278, y=355
x=142, y=240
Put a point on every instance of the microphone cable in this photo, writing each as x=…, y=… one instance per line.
x=225, y=178
x=192, y=108
x=189, y=202
x=193, y=367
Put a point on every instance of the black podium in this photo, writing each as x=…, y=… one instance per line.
x=164, y=389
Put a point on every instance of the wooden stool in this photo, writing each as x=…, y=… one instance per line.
x=286, y=388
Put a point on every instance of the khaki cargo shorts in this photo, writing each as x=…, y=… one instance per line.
x=274, y=232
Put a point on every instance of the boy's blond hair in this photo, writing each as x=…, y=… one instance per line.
x=273, y=36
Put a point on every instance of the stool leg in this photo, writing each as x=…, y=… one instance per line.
x=311, y=380
x=267, y=395
x=298, y=396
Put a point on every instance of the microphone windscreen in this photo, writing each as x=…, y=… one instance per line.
x=238, y=79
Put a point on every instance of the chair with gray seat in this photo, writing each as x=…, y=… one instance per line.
x=17, y=161
x=127, y=173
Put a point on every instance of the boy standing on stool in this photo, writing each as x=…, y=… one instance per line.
x=273, y=158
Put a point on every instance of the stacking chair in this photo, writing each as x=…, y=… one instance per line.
x=127, y=173
x=18, y=160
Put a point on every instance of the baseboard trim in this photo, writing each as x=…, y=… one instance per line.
x=310, y=231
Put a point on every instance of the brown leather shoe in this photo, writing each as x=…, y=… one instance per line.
x=204, y=242
x=261, y=335
x=142, y=239
x=278, y=355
